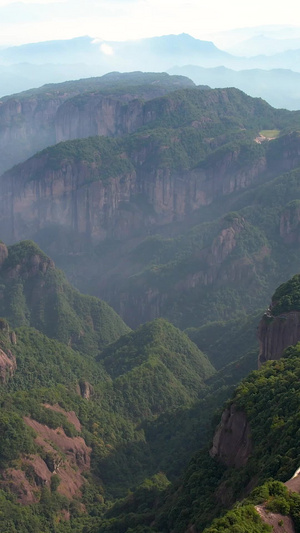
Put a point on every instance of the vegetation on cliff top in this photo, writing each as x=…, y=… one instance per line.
x=244, y=518
x=184, y=127
x=287, y=297
x=114, y=82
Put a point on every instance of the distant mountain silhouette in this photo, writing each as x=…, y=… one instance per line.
x=25, y=66
x=280, y=87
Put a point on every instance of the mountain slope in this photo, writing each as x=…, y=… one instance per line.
x=156, y=368
x=256, y=440
x=33, y=120
x=36, y=294
x=89, y=425
x=145, y=386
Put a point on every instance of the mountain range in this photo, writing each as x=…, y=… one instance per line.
x=195, y=189
x=178, y=206
x=273, y=71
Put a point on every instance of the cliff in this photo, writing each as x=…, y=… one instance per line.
x=94, y=199
x=275, y=334
x=206, y=259
x=102, y=188
x=280, y=325
x=191, y=159
x=8, y=365
x=278, y=329
x=61, y=456
x=232, y=440
x=289, y=223
x=110, y=105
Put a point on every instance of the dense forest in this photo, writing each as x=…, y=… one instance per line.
x=128, y=414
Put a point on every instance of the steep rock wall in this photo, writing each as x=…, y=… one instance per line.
x=74, y=195
x=232, y=440
x=98, y=115
x=8, y=365
x=32, y=121
x=275, y=334
x=26, y=126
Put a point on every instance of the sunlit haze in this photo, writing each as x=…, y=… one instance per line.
x=40, y=20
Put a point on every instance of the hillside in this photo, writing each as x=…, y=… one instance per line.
x=93, y=428
x=34, y=293
x=255, y=441
x=37, y=118
x=77, y=431
x=269, y=450
x=156, y=368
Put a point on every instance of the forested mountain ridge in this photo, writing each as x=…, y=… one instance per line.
x=34, y=293
x=37, y=118
x=270, y=76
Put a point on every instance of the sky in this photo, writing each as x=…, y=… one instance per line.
x=41, y=20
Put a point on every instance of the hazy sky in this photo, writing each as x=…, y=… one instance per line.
x=40, y=20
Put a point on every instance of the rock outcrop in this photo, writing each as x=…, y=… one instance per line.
x=8, y=362
x=84, y=389
x=8, y=365
x=276, y=333
x=232, y=440
x=278, y=522
x=3, y=253
x=65, y=457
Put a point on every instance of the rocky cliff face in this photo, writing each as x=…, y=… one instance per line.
x=275, y=334
x=92, y=202
x=26, y=126
x=73, y=195
x=65, y=457
x=232, y=440
x=39, y=118
x=8, y=365
x=99, y=115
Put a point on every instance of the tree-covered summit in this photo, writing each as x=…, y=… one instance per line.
x=287, y=297
x=35, y=293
